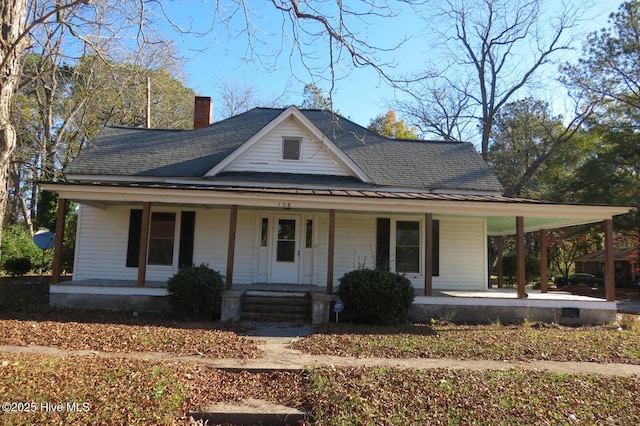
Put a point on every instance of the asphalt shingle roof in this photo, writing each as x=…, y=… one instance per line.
x=191, y=153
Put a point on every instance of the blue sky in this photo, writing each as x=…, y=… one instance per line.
x=359, y=93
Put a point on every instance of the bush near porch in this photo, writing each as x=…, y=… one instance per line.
x=195, y=292
x=376, y=297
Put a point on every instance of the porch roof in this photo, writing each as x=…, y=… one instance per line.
x=498, y=210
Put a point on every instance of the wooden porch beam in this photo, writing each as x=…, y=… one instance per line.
x=609, y=264
x=428, y=257
x=520, y=271
x=58, y=243
x=544, y=278
x=144, y=244
x=500, y=248
x=331, y=251
x=231, y=248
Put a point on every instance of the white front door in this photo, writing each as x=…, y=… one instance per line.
x=285, y=264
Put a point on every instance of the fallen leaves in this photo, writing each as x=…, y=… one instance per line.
x=108, y=337
x=513, y=343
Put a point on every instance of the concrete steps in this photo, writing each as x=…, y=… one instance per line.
x=276, y=306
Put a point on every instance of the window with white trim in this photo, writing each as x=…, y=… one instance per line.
x=400, y=245
x=408, y=246
x=291, y=148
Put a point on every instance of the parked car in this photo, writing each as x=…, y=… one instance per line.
x=588, y=279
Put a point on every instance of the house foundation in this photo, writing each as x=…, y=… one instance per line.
x=503, y=307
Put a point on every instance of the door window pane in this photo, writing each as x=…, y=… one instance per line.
x=286, y=246
x=264, y=238
x=309, y=234
x=161, y=238
x=408, y=246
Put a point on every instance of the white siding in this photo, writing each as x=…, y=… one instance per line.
x=101, y=243
x=463, y=255
x=211, y=238
x=101, y=246
x=245, y=247
x=355, y=243
x=463, y=250
x=266, y=155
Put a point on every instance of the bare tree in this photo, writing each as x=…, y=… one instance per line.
x=491, y=50
x=238, y=98
x=96, y=25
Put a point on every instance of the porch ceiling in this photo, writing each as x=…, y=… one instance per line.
x=500, y=212
x=497, y=226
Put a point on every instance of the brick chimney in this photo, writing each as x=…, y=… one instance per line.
x=202, y=112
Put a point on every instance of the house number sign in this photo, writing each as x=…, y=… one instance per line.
x=284, y=204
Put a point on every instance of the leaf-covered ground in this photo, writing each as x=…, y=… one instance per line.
x=134, y=392
x=140, y=335
x=492, y=342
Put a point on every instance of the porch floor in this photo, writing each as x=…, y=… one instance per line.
x=493, y=293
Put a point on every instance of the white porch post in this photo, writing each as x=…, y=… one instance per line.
x=520, y=271
x=609, y=264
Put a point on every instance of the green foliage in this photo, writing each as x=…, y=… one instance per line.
x=314, y=98
x=531, y=266
x=388, y=125
x=17, y=243
x=196, y=292
x=17, y=266
x=526, y=137
x=46, y=219
x=376, y=297
x=47, y=210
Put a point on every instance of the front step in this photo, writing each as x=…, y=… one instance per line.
x=276, y=306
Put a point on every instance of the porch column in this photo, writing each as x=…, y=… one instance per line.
x=332, y=241
x=428, y=257
x=543, y=261
x=520, y=274
x=57, y=245
x=144, y=244
x=231, y=248
x=500, y=243
x=609, y=264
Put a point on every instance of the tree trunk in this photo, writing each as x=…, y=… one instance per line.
x=12, y=46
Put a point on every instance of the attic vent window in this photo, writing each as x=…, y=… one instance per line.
x=291, y=149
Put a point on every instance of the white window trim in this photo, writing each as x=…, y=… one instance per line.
x=291, y=138
x=392, y=243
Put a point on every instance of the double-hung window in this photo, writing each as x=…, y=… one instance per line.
x=400, y=245
x=163, y=238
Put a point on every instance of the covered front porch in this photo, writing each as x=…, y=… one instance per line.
x=345, y=228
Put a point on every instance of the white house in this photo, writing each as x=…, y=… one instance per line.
x=286, y=196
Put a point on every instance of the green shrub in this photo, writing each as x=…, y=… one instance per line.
x=18, y=243
x=196, y=292
x=375, y=297
x=17, y=266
